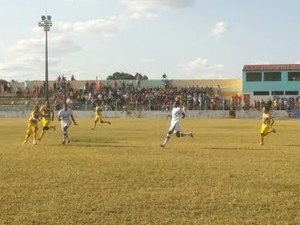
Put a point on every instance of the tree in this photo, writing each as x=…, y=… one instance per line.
x=138, y=76
x=120, y=76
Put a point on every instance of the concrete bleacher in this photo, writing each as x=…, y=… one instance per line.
x=228, y=86
x=152, y=84
x=228, y=83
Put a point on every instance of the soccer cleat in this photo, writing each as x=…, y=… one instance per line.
x=24, y=142
x=162, y=145
x=192, y=136
x=63, y=142
x=54, y=128
x=92, y=128
x=274, y=131
x=34, y=142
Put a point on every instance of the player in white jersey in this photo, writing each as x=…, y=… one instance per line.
x=65, y=116
x=177, y=113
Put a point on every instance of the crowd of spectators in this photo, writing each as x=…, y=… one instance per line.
x=117, y=95
x=120, y=95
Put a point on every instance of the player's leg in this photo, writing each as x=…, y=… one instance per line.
x=26, y=138
x=105, y=121
x=45, y=123
x=64, y=128
x=95, y=123
x=262, y=139
x=184, y=134
x=168, y=137
x=270, y=131
x=34, y=135
x=179, y=133
x=66, y=134
x=42, y=134
x=52, y=127
x=265, y=130
x=28, y=133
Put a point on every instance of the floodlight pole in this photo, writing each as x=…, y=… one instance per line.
x=46, y=23
x=46, y=66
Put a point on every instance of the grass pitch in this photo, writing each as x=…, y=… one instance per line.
x=118, y=174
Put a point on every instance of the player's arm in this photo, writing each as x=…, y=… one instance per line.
x=271, y=121
x=182, y=112
x=42, y=111
x=182, y=115
x=32, y=117
x=73, y=119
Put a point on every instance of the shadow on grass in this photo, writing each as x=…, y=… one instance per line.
x=86, y=145
x=293, y=145
x=259, y=148
x=77, y=144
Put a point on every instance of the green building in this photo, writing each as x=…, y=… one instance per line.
x=265, y=82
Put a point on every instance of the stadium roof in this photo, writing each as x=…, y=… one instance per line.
x=271, y=67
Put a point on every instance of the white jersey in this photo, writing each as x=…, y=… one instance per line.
x=175, y=121
x=65, y=115
x=176, y=114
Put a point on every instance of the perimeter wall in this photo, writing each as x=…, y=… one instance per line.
x=158, y=114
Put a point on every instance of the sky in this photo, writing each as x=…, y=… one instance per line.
x=185, y=39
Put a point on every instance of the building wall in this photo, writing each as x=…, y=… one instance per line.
x=283, y=85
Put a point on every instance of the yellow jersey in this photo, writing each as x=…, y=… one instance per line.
x=46, y=112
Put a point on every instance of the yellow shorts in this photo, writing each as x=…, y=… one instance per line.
x=265, y=128
x=32, y=128
x=45, y=122
x=98, y=118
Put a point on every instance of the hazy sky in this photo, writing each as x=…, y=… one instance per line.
x=186, y=39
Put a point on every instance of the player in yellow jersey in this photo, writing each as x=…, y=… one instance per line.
x=98, y=117
x=47, y=115
x=267, y=123
x=32, y=126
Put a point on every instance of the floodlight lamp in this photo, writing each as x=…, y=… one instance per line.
x=43, y=18
x=48, y=17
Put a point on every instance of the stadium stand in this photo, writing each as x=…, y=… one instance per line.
x=132, y=94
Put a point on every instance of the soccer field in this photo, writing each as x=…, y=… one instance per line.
x=118, y=174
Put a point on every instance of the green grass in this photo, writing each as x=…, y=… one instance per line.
x=118, y=174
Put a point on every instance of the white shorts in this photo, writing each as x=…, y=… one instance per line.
x=65, y=124
x=175, y=127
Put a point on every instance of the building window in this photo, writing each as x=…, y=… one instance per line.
x=272, y=76
x=254, y=76
x=291, y=93
x=261, y=92
x=277, y=93
x=293, y=76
